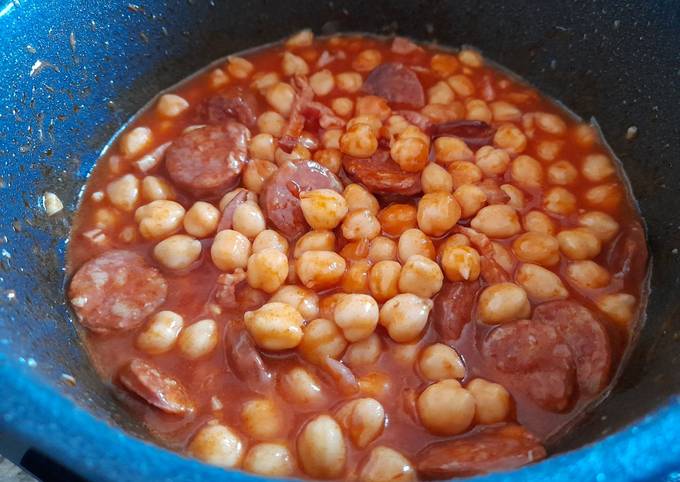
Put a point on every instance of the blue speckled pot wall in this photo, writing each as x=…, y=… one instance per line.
x=73, y=71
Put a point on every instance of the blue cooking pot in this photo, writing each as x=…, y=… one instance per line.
x=73, y=72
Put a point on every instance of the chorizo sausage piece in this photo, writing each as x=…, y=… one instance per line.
x=628, y=254
x=234, y=104
x=208, y=161
x=453, y=308
x=491, y=449
x=586, y=337
x=396, y=83
x=157, y=389
x=421, y=121
x=227, y=217
x=279, y=198
x=381, y=175
x=233, y=294
x=474, y=133
x=244, y=359
x=116, y=291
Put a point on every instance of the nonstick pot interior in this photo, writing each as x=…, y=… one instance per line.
x=73, y=72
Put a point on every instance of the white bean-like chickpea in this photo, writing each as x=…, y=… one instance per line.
x=373, y=105
x=355, y=279
x=299, y=386
x=275, y=326
x=218, y=78
x=492, y=161
x=435, y=178
x=267, y=270
x=256, y=172
x=406, y=354
x=303, y=38
x=414, y=242
x=597, y=167
x=470, y=198
x=270, y=460
x=421, y=276
x=248, y=219
x=364, y=352
x=440, y=362
x=161, y=333
x=587, y=274
x=579, y=243
x=477, y=109
x=471, y=58
x=159, y=218
x=396, y=219
x=559, y=200
x=357, y=197
x=230, y=250
x=526, y=172
x=461, y=85
x=537, y=248
x=405, y=316
x=446, y=408
x=331, y=159
x=156, y=188
x=314, y=241
x=262, y=146
x=359, y=141
x=271, y=123
x=331, y=138
x=198, y=340
x=440, y=93
x=320, y=269
x=123, y=193
x=550, y=123
x=383, y=280
x=410, y=153
x=356, y=315
x=305, y=301
x=548, y=150
x=385, y=463
x=562, y=173
x=539, y=222
x=437, y=213
x=322, y=82
x=605, y=196
x=178, y=251
x=239, y=68
x=270, y=239
x=201, y=219
x=600, y=224
x=217, y=444
x=363, y=419
x=231, y=195
x=376, y=385
x=292, y=64
x=503, y=302
x=321, y=448
x=620, y=307
x=382, y=248
x=510, y=138
x=323, y=208
x=360, y=224
x=321, y=338
x=515, y=195
x=263, y=419
x=503, y=256
x=505, y=111
x=497, y=221
x=171, y=105
x=584, y=135
x=444, y=64
x=349, y=82
x=343, y=106
x=280, y=96
x=136, y=141
x=492, y=401
x=540, y=284
x=450, y=149
x=460, y=263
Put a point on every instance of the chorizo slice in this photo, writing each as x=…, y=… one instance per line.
x=280, y=194
x=396, y=83
x=453, y=308
x=235, y=104
x=244, y=359
x=586, y=337
x=227, y=218
x=116, y=291
x=157, y=389
x=208, y=161
x=381, y=175
x=474, y=133
x=491, y=449
x=232, y=294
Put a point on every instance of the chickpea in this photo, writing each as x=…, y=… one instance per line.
x=435, y=178
x=270, y=239
x=331, y=138
x=267, y=270
x=445, y=408
x=198, y=340
x=363, y=352
x=178, y=252
x=357, y=316
x=263, y=80
x=359, y=141
x=322, y=82
x=156, y=188
x=460, y=263
x=461, y=85
x=355, y=279
x=263, y=419
x=201, y=219
x=503, y=257
x=343, y=106
x=537, y=248
x=405, y=316
x=562, y=173
x=477, y=109
x=349, y=82
x=383, y=280
x=217, y=445
x=231, y=195
x=600, y=224
x=305, y=301
x=299, y=152
x=420, y=276
x=382, y=249
x=444, y=64
x=550, y=123
x=376, y=385
x=538, y=222
x=321, y=448
x=327, y=305
x=106, y=218
x=256, y=172
x=159, y=218
x=358, y=197
x=374, y=106
x=171, y=105
x=320, y=269
x=136, y=141
x=470, y=198
x=405, y=354
x=331, y=159
x=451, y=149
x=604, y=197
x=501, y=303
x=497, y=221
x=271, y=123
x=301, y=387
x=414, y=242
x=463, y=172
x=579, y=243
x=515, y=195
x=303, y=38
x=363, y=420
x=275, y=326
x=619, y=307
x=440, y=362
x=355, y=250
x=360, y=224
x=548, y=150
x=314, y=241
x=437, y=213
x=280, y=96
x=396, y=219
x=124, y=192
x=584, y=135
x=218, y=78
x=527, y=172
x=558, y=200
x=239, y=67
x=322, y=338
x=491, y=161
x=323, y=208
x=230, y=250
x=270, y=460
x=440, y=93
x=292, y=65
x=384, y=464
x=410, y=153
x=505, y=111
x=510, y=138
x=373, y=121
x=587, y=274
x=540, y=284
x=161, y=334
x=491, y=399
x=367, y=60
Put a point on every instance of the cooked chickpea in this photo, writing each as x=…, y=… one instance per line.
x=414, y=242
x=376, y=385
x=420, y=276
x=405, y=316
x=360, y=224
x=505, y=111
x=275, y=326
x=355, y=250
x=503, y=302
x=136, y=141
x=445, y=408
x=322, y=338
x=371, y=105
x=201, y=219
x=550, y=123
x=503, y=257
x=451, y=149
x=584, y=135
x=562, y=173
x=171, y=105
x=156, y=188
x=540, y=284
x=510, y=138
x=437, y=213
x=526, y=172
x=606, y=196
x=579, y=243
x=497, y=221
x=470, y=198
x=343, y=106
x=356, y=315
x=305, y=301
x=515, y=195
x=270, y=239
x=600, y=224
x=548, y=150
x=440, y=93
x=363, y=420
x=314, y=241
x=161, y=334
x=440, y=362
x=267, y=270
x=331, y=159
x=620, y=307
x=382, y=249
x=460, y=263
x=331, y=138
x=230, y=250
x=271, y=123
x=491, y=161
x=558, y=200
x=303, y=38
x=477, y=109
x=383, y=280
x=256, y=172
x=320, y=269
x=537, y=248
x=322, y=82
x=239, y=67
x=270, y=460
x=367, y=60
x=217, y=445
x=349, y=82
x=198, y=340
x=106, y=218
x=263, y=419
x=159, y=218
x=363, y=352
x=435, y=178
x=463, y=172
x=218, y=78
x=299, y=152
x=301, y=387
x=410, y=153
x=396, y=219
x=539, y=222
x=355, y=279
x=123, y=193
x=359, y=141
x=358, y=197
x=323, y=208
x=587, y=274
x=321, y=448
x=263, y=80
x=461, y=85
x=292, y=64
x=492, y=400
x=280, y=96
x=444, y=64
x=405, y=354
x=231, y=195
x=178, y=251
x=385, y=464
